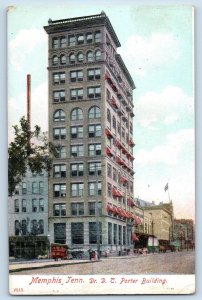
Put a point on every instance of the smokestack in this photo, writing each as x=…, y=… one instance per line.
x=28, y=98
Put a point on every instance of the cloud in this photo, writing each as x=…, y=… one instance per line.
x=27, y=41
x=144, y=54
x=166, y=107
x=168, y=153
x=39, y=108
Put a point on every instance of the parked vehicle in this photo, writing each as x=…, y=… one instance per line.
x=58, y=251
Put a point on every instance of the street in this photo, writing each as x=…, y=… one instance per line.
x=165, y=263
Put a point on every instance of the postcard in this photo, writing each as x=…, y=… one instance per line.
x=101, y=177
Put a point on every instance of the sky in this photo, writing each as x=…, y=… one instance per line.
x=157, y=48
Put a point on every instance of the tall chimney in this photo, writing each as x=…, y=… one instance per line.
x=28, y=98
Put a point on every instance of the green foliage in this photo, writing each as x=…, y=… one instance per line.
x=29, y=149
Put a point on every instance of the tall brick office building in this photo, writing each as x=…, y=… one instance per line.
x=90, y=117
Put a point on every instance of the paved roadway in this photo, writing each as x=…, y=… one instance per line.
x=165, y=263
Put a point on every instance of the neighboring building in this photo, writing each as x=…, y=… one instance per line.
x=160, y=221
x=28, y=211
x=91, y=118
x=184, y=232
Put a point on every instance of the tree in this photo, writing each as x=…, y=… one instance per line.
x=29, y=149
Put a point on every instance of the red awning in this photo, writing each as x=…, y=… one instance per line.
x=118, y=160
x=124, y=214
x=116, y=193
x=118, y=143
x=108, y=152
x=115, y=210
x=108, y=78
x=123, y=179
x=108, y=133
x=108, y=208
x=130, y=202
x=114, y=103
x=134, y=237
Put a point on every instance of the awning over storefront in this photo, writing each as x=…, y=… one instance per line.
x=134, y=237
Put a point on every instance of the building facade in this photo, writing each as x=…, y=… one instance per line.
x=91, y=122
x=184, y=232
x=28, y=215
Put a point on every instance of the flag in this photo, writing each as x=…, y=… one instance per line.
x=166, y=187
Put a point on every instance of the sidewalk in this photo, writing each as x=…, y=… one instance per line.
x=39, y=264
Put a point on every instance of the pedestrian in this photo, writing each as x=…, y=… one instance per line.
x=90, y=253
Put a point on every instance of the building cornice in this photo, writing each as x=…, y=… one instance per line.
x=86, y=21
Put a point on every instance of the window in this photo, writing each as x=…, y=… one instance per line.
x=124, y=235
x=123, y=133
x=76, y=114
x=80, y=39
x=60, y=233
x=59, y=209
x=77, y=151
x=59, y=96
x=77, y=233
x=89, y=37
x=94, y=168
x=59, y=190
x=59, y=116
x=61, y=151
x=108, y=95
x=94, y=130
x=115, y=234
x=77, y=132
x=34, y=188
x=24, y=227
x=41, y=204
x=97, y=37
x=109, y=189
x=34, y=205
x=54, y=60
x=17, y=189
x=98, y=55
x=77, y=209
x=114, y=122
x=24, y=205
x=119, y=127
x=92, y=208
x=55, y=43
x=72, y=40
x=93, y=232
x=24, y=188
x=59, y=171
x=90, y=56
x=76, y=170
x=59, y=78
x=76, y=76
x=94, y=112
x=94, y=74
x=94, y=92
x=59, y=133
x=94, y=149
x=94, y=188
x=108, y=116
x=77, y=189
x=131, y=128
x=80, y=57
x=17, y=205
x=41, y=227
x=76, y=94
x=34, y=227
x=114, y=174
x=120, y=235
x=72, y=58
x=62, y=59
x=109, y=233
x=17, y=227
x=41, y=187
x=109, y=170
x=62, y=42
